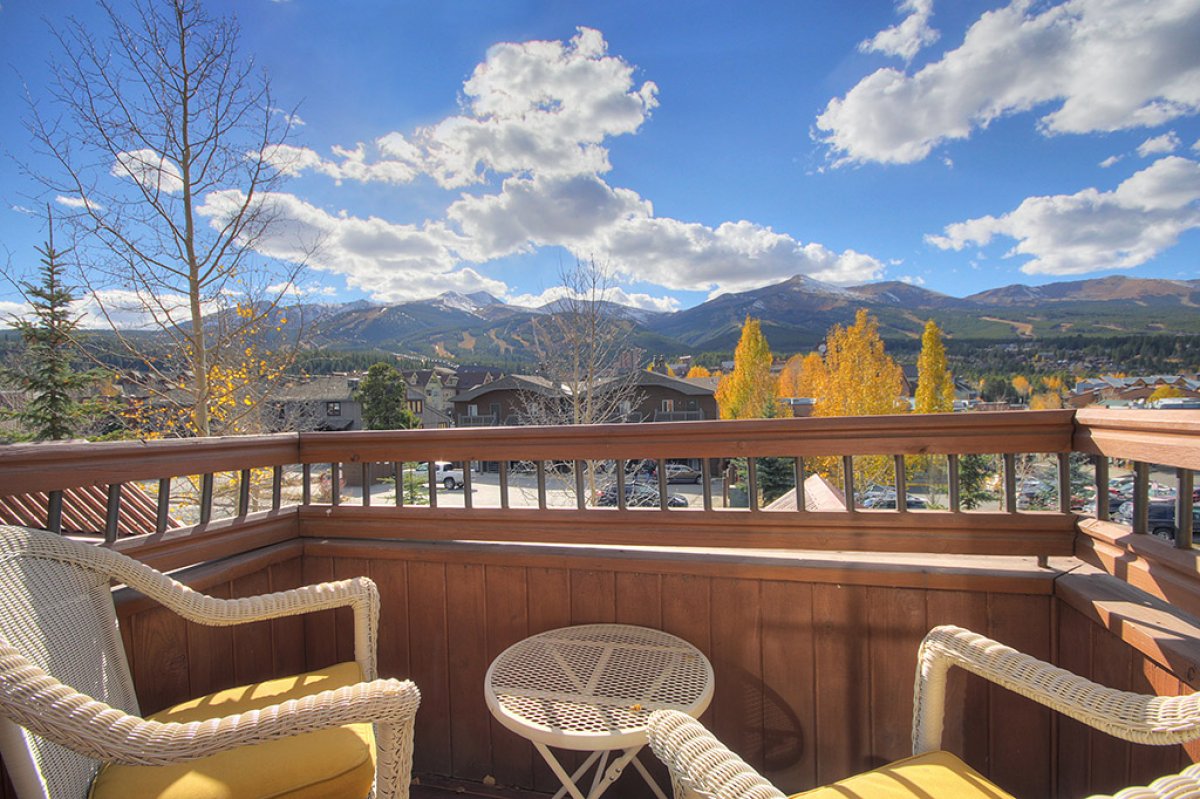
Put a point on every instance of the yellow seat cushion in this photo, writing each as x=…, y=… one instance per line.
x=338, y=763
x=930, y=776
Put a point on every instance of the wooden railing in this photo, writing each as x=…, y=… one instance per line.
x=814, y=651
x=1170, y=438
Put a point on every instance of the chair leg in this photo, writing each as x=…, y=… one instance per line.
x=394, y=759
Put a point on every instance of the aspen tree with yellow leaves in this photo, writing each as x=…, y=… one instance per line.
x=935, y=384
x=856, y=377
x=860, y=378
x=699, y=371
x=748, y=392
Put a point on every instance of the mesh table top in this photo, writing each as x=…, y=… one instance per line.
x=594, y=686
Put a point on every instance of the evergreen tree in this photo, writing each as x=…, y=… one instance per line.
x=973, y=473
x=384, y=398
x=46, y=371
x=748, y=392
x=935, y=385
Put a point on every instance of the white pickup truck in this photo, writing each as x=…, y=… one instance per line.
x=447, y=474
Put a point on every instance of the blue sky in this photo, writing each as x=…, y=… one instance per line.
x=698, y=148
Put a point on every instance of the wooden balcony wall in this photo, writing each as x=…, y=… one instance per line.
x=814, y=651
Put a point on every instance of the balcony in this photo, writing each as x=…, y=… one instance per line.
x=811, y=618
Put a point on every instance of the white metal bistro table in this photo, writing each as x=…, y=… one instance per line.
x=592, y=688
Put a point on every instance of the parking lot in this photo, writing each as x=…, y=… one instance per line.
x=522, y=492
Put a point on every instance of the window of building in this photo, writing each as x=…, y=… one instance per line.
x=472, y=410
x=333, y=409
x=668, y=405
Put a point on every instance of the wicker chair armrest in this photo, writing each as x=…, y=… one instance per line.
x=1131, y=717
x=357, y=593
x=702, y=764
x=41, y=704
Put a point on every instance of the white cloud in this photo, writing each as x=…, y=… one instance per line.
x=592, y=219
x=534, y=108
x=77, y=202
x=392, y=262
x=910, y=36
x=291, y=119
x=912, y=280
x=1167, y=143
x=10, y=309
x=294, y=292
x=153, y=171
x=127, y=310
x=1091, y=231
x=645, y=302
x=21, y=209
x=1112, y=159
x=1105, y=65
x=535, y=118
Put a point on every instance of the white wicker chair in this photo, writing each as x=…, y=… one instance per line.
x=67, y=703
x=701, y=765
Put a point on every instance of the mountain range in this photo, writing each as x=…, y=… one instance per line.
x=795, y=315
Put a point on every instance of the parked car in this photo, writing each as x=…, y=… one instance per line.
x=448, y=474
x=679, y=473
x=638, y=495
x=889, y=503
x=1161, y=517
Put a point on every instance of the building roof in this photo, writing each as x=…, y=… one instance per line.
x=533, y=383
x=322, y=388
x=693, y=386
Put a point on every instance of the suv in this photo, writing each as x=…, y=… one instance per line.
x=638, y=495
x=679, y=473
x=1161, y=517
x=444, y=472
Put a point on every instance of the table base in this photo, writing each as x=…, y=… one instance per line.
x=603, y=777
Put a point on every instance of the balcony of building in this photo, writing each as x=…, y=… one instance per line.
x=810, y=618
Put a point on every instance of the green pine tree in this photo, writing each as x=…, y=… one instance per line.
x=384, y=398
x=46, y=370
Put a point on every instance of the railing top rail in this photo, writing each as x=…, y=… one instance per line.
x=1165, y=437
x=29, y=468
x=904, y=434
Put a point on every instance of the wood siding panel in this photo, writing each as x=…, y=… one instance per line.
x=507, y=612
x=789, y=686
x=161, y=670
x=288, y=634
x=466, y=631
x=253, y=652
x=965, y=730
x=842, y=671
x=737, y=664
x=391, y=577
x=897, y=625
x=1020, y=733
x=428, y=657
x=549, y=609
x=346, y=569
x=639, y=599
x=1148, y=763
x=1112, y=662
x=211, y=653
x=1074, y=655
x=320, y=629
